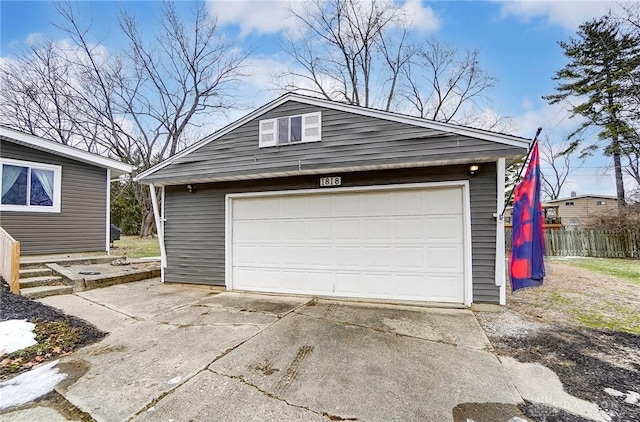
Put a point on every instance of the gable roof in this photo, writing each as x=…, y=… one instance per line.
x=508, y=140
x=17, y=137
x=569, y=198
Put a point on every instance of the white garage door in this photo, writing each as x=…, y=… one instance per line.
x=401, y=243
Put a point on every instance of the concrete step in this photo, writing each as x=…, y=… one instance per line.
x=32, y=262
x=44, y=291
x=47, y=280
x=35, y=272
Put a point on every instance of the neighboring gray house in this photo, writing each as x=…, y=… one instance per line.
x=55, y=198
x=308, y=196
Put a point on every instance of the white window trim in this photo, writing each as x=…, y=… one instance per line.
x=57, y=187
x=275, y=139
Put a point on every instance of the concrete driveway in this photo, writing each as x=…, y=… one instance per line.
x=182, y=353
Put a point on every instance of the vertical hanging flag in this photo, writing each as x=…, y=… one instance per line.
x=526, y=262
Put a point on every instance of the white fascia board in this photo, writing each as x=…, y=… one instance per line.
x=117, y=167
x=386, y=115
x=306, y=172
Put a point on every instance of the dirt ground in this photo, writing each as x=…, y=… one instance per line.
x=582, y=325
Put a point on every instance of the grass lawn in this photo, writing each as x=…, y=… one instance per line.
x=136, y=247
x=628, y=269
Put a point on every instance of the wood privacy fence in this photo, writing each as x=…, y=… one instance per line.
x=10, y=260
x=593, y=243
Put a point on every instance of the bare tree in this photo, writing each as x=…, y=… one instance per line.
x=557, y=157
x=445, y=84
x=138, y=103
x=346, y=49
x=359, y=52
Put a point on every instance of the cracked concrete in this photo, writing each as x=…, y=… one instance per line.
x=188, y=353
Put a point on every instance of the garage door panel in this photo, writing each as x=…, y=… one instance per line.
x=409, y=228
x=445, y=258
x=293, y=255
x=320, y=256
x=319, y=230
x=346, y=230
x=391, y=244
x=376, y=229
x=444, y=287
x=447, y=229
x=411, y=257
x=347, y=256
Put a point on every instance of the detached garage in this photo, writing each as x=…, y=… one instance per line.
x=312, y=197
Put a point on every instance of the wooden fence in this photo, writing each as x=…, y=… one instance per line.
x=593, y=243
x=10, y=260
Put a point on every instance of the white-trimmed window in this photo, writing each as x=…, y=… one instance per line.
x=290, y=130
x=601, y=202
x=30, y=187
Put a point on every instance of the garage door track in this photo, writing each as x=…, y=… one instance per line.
x=188, y=353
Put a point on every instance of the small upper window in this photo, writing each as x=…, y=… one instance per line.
x=569, y=203
x=601, y=203
x=30, y=187
x=290, y=130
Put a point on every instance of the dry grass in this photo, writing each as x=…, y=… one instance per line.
x=136, y=247
x=581, y=297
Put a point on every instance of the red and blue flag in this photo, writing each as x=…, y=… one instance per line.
x=526, y=262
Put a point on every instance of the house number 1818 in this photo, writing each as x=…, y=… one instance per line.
x=331, y=181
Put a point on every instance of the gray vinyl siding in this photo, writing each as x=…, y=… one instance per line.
x=195, y=223
x=81, y=224
x=348, y=140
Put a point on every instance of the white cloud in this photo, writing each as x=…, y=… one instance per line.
x=552, y=118
x=568, y=14
x=422, y=18
x=255, y=16
x=34, y=38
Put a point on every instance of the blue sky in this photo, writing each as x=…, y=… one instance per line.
x=518, y=43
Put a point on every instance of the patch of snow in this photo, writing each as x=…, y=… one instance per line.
x=29, y=386
x=613, y=392
x=175, y=380
x=16, y=334
x=630, y=397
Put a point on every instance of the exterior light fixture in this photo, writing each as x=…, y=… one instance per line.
x=191, y=188
x=473, y=168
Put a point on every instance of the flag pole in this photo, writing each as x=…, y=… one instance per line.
x=535, y=139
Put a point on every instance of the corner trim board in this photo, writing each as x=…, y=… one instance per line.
x=500, y=235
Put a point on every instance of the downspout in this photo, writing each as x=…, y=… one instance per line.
x=500, y=238
x=108, y=219
x=159, y=226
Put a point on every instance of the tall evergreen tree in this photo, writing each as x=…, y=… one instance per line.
x=599, y=79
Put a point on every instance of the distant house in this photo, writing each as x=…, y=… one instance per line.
x=55, y=198
x=574, y=211
x=315, y=197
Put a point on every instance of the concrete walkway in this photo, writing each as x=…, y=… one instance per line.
x=186, y=353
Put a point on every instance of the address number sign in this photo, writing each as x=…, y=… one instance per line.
x=331, y=181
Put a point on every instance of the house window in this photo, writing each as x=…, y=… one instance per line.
x=569, y=203
x=30, y=187
x=574, y=222
x=601, y=203
x=290, y=130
